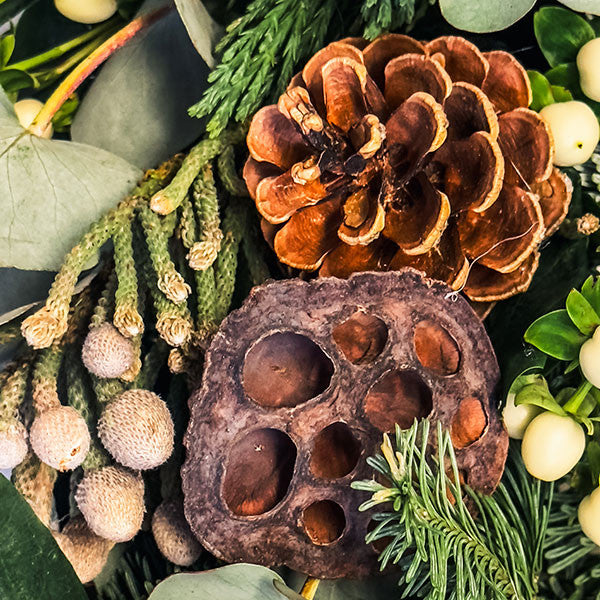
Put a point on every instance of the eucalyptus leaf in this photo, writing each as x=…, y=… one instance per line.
x=233, y=582
x=560, y=34
x=484, y=16
x=538, y=394
x=31, y=563
x=50, y=192
x=541, y=91
x=202, y=29
x=137, y=106
x=582, y=313
x=591, y=7
x=556, y=335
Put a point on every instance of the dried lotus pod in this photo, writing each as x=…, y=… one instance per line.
x=299, y=385
x=399, y=154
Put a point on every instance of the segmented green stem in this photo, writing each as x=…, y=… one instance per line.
x=34, y=480
x=204, y=251
x=169, y=281
x=231, y=181
x=127, y=318
x=45, y=378
x=12, y=394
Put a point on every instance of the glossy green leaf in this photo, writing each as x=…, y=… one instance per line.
x=203, y=31
x=31, y=563
x=567, y=75
x=13, y=80
x=591, y=292
x=591, y=7
x=555, y=335
x=7, y=45
x=233, y=582
x=484, y=15
x=572, y=366
x=541, y=91
x=11, y=8
x=50, y=192
x=137, y=106
x=561, y=94
x=582, y=313
x=593, y=457
x=538, y=394
x=560, y=34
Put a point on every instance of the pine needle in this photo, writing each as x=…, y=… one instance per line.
x=443, y=551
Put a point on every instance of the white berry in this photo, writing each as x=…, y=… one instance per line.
x=589, y=516
x=589, y=359
x=86, y=11
x=552, y=446
x=27, y=110
x=588, y=63
x=517, y=418
x=575, y=130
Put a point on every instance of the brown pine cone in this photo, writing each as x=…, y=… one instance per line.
x=399, y=153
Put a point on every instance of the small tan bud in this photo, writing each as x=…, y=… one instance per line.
x=106, y=353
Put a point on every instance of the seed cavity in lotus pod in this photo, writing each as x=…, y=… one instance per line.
x=13, y=445
x=111, y=500
x=137, y=429
x=173, y=535
x=106, y=353
x=60, y=438
x=86, y=551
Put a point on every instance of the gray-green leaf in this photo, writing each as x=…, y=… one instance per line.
x=586, y=6
x=202, y=29
x=560, y=34
x=484, y=16
x=31, y=563
x=50, y=192
x=137, y=106
x=556, y=335
x=233, y=582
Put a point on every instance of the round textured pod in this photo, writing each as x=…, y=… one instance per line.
x=173, y=535
x=86, y=551
x=60, y=438
x=137, y=429
x=106, y=353
x=13, y=445
x=300, y=384
x=111, y=500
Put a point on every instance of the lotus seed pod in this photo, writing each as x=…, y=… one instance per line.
x=111, y=500
x=27, y=110
x=137, y=429
x=86, y=551
x=106, y=353
x=173, y=535
x=13, y=445
x=60, y=438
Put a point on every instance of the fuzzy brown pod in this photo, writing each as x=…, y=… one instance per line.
x=299, y=385
x=398, y=154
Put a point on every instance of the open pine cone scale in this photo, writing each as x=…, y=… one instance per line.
x=396, y=153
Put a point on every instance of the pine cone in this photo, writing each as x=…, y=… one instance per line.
x=399, y=153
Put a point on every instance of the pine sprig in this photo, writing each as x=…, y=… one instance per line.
x=259, y=54
x=380, y=16
x=443, y=551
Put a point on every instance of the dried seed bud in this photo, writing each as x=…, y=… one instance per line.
x=106, y=353
x=173, y=535
x=86, y=551
x=13, y=444
x=60, y=438
x=128, y=321
x=111, y=500
x=174, y=287
x=173, y=328
x=203, y=254
x=133, y=371
x=41, y=328
x=177, y=362
x=137, y=429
